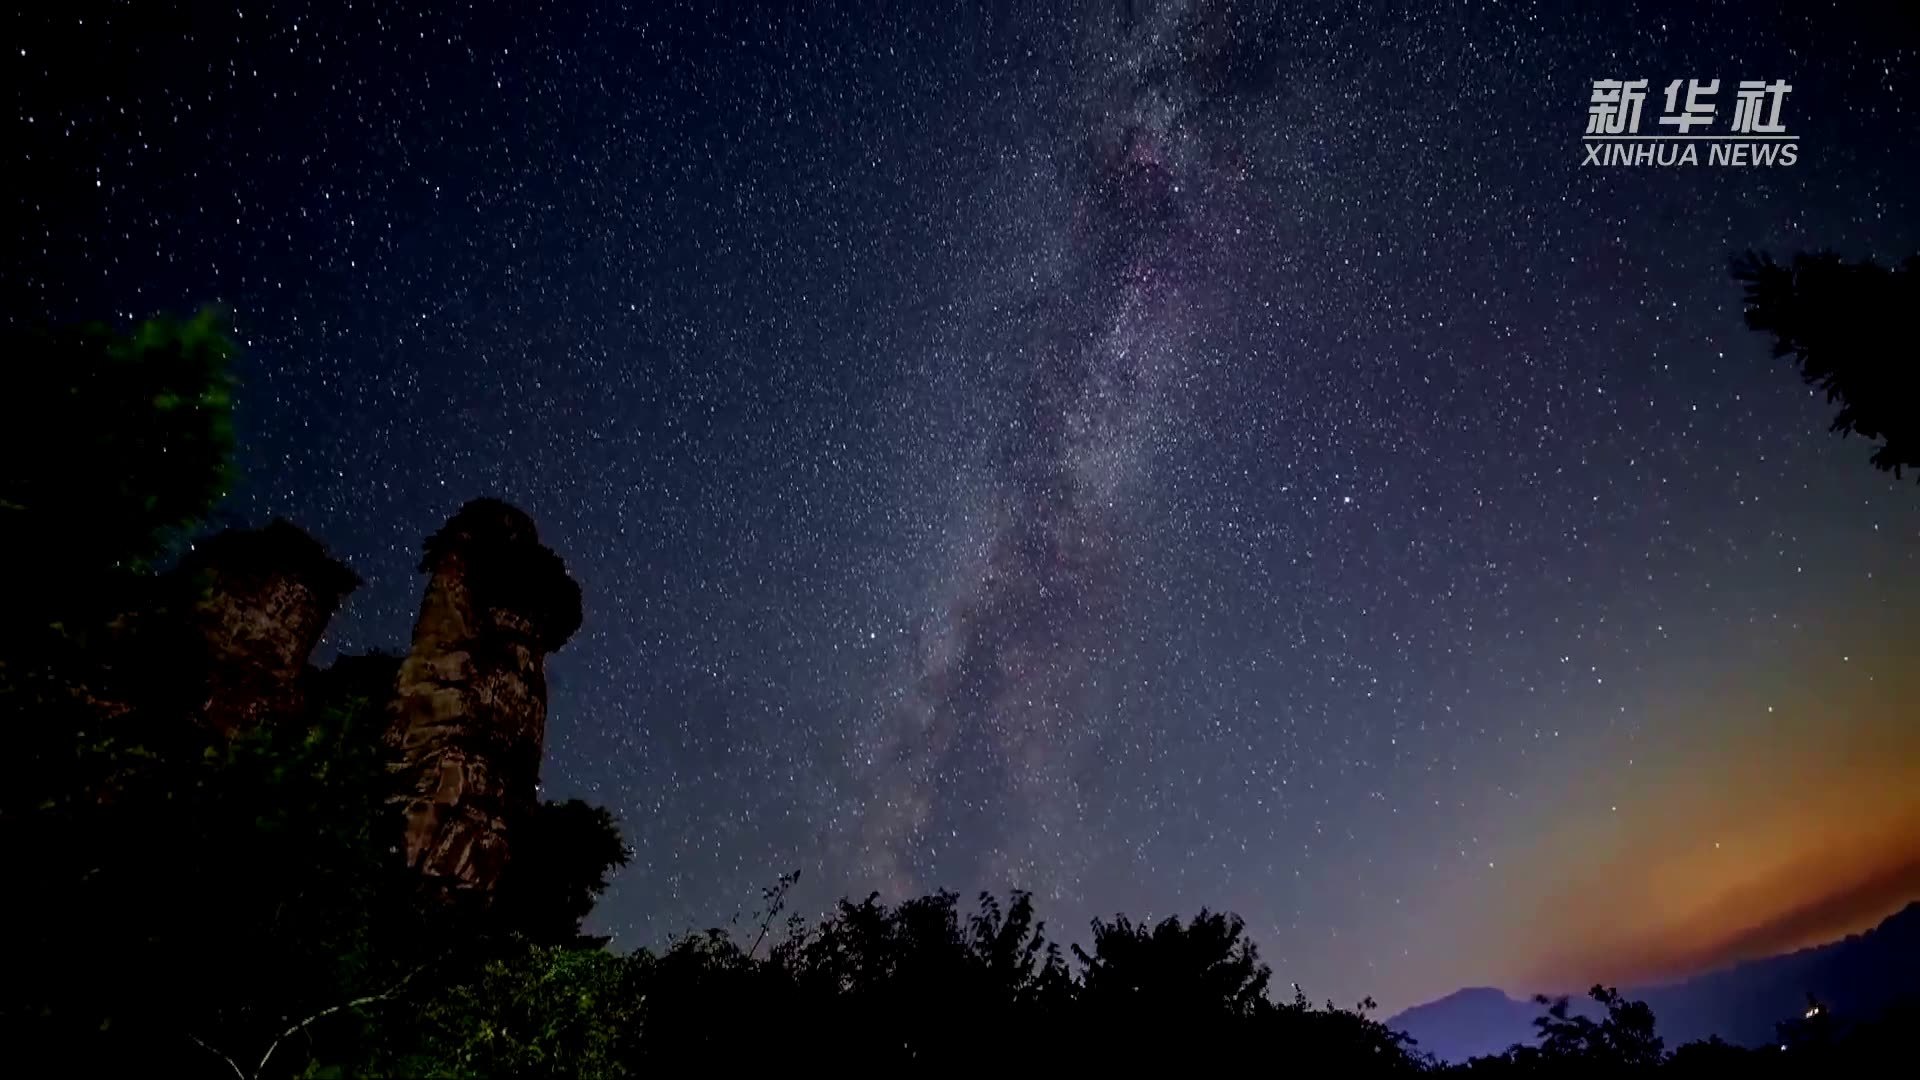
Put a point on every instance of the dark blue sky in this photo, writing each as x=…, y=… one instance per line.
x=1207, y=458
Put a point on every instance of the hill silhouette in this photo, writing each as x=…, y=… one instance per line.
x=1858, y=975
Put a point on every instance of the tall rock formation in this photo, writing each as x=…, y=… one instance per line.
x=263, y=599
x=470, y=708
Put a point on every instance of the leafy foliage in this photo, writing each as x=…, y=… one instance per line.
x=564, y=856
x=529, y=1011
x=220, y=889
x=920, y=984
x=1623, y=1042
x=114, y=444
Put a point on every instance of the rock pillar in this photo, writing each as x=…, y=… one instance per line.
x=470, y=707
x=265, y=597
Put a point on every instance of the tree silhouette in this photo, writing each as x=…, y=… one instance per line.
x=115, y=445
x=1624, y=1038
x=564, y=856
x=1846, y=327
x=1206, y=968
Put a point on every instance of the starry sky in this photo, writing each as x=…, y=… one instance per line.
x=1154, y=455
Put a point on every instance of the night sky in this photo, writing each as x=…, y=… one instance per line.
x=1193, y=458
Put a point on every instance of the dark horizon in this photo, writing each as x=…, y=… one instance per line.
x=1159, y=457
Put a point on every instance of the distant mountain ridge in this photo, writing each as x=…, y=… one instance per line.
x=1857, y=975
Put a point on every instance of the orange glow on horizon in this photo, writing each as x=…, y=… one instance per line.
x=1791, y=819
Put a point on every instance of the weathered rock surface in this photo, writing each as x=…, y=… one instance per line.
x=470, y=707
x=269, y=594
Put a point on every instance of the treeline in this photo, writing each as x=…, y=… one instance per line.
x=930, y=985
x=195, y=901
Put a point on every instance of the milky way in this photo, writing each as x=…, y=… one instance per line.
x=1156, y=455
x=1004, y=701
